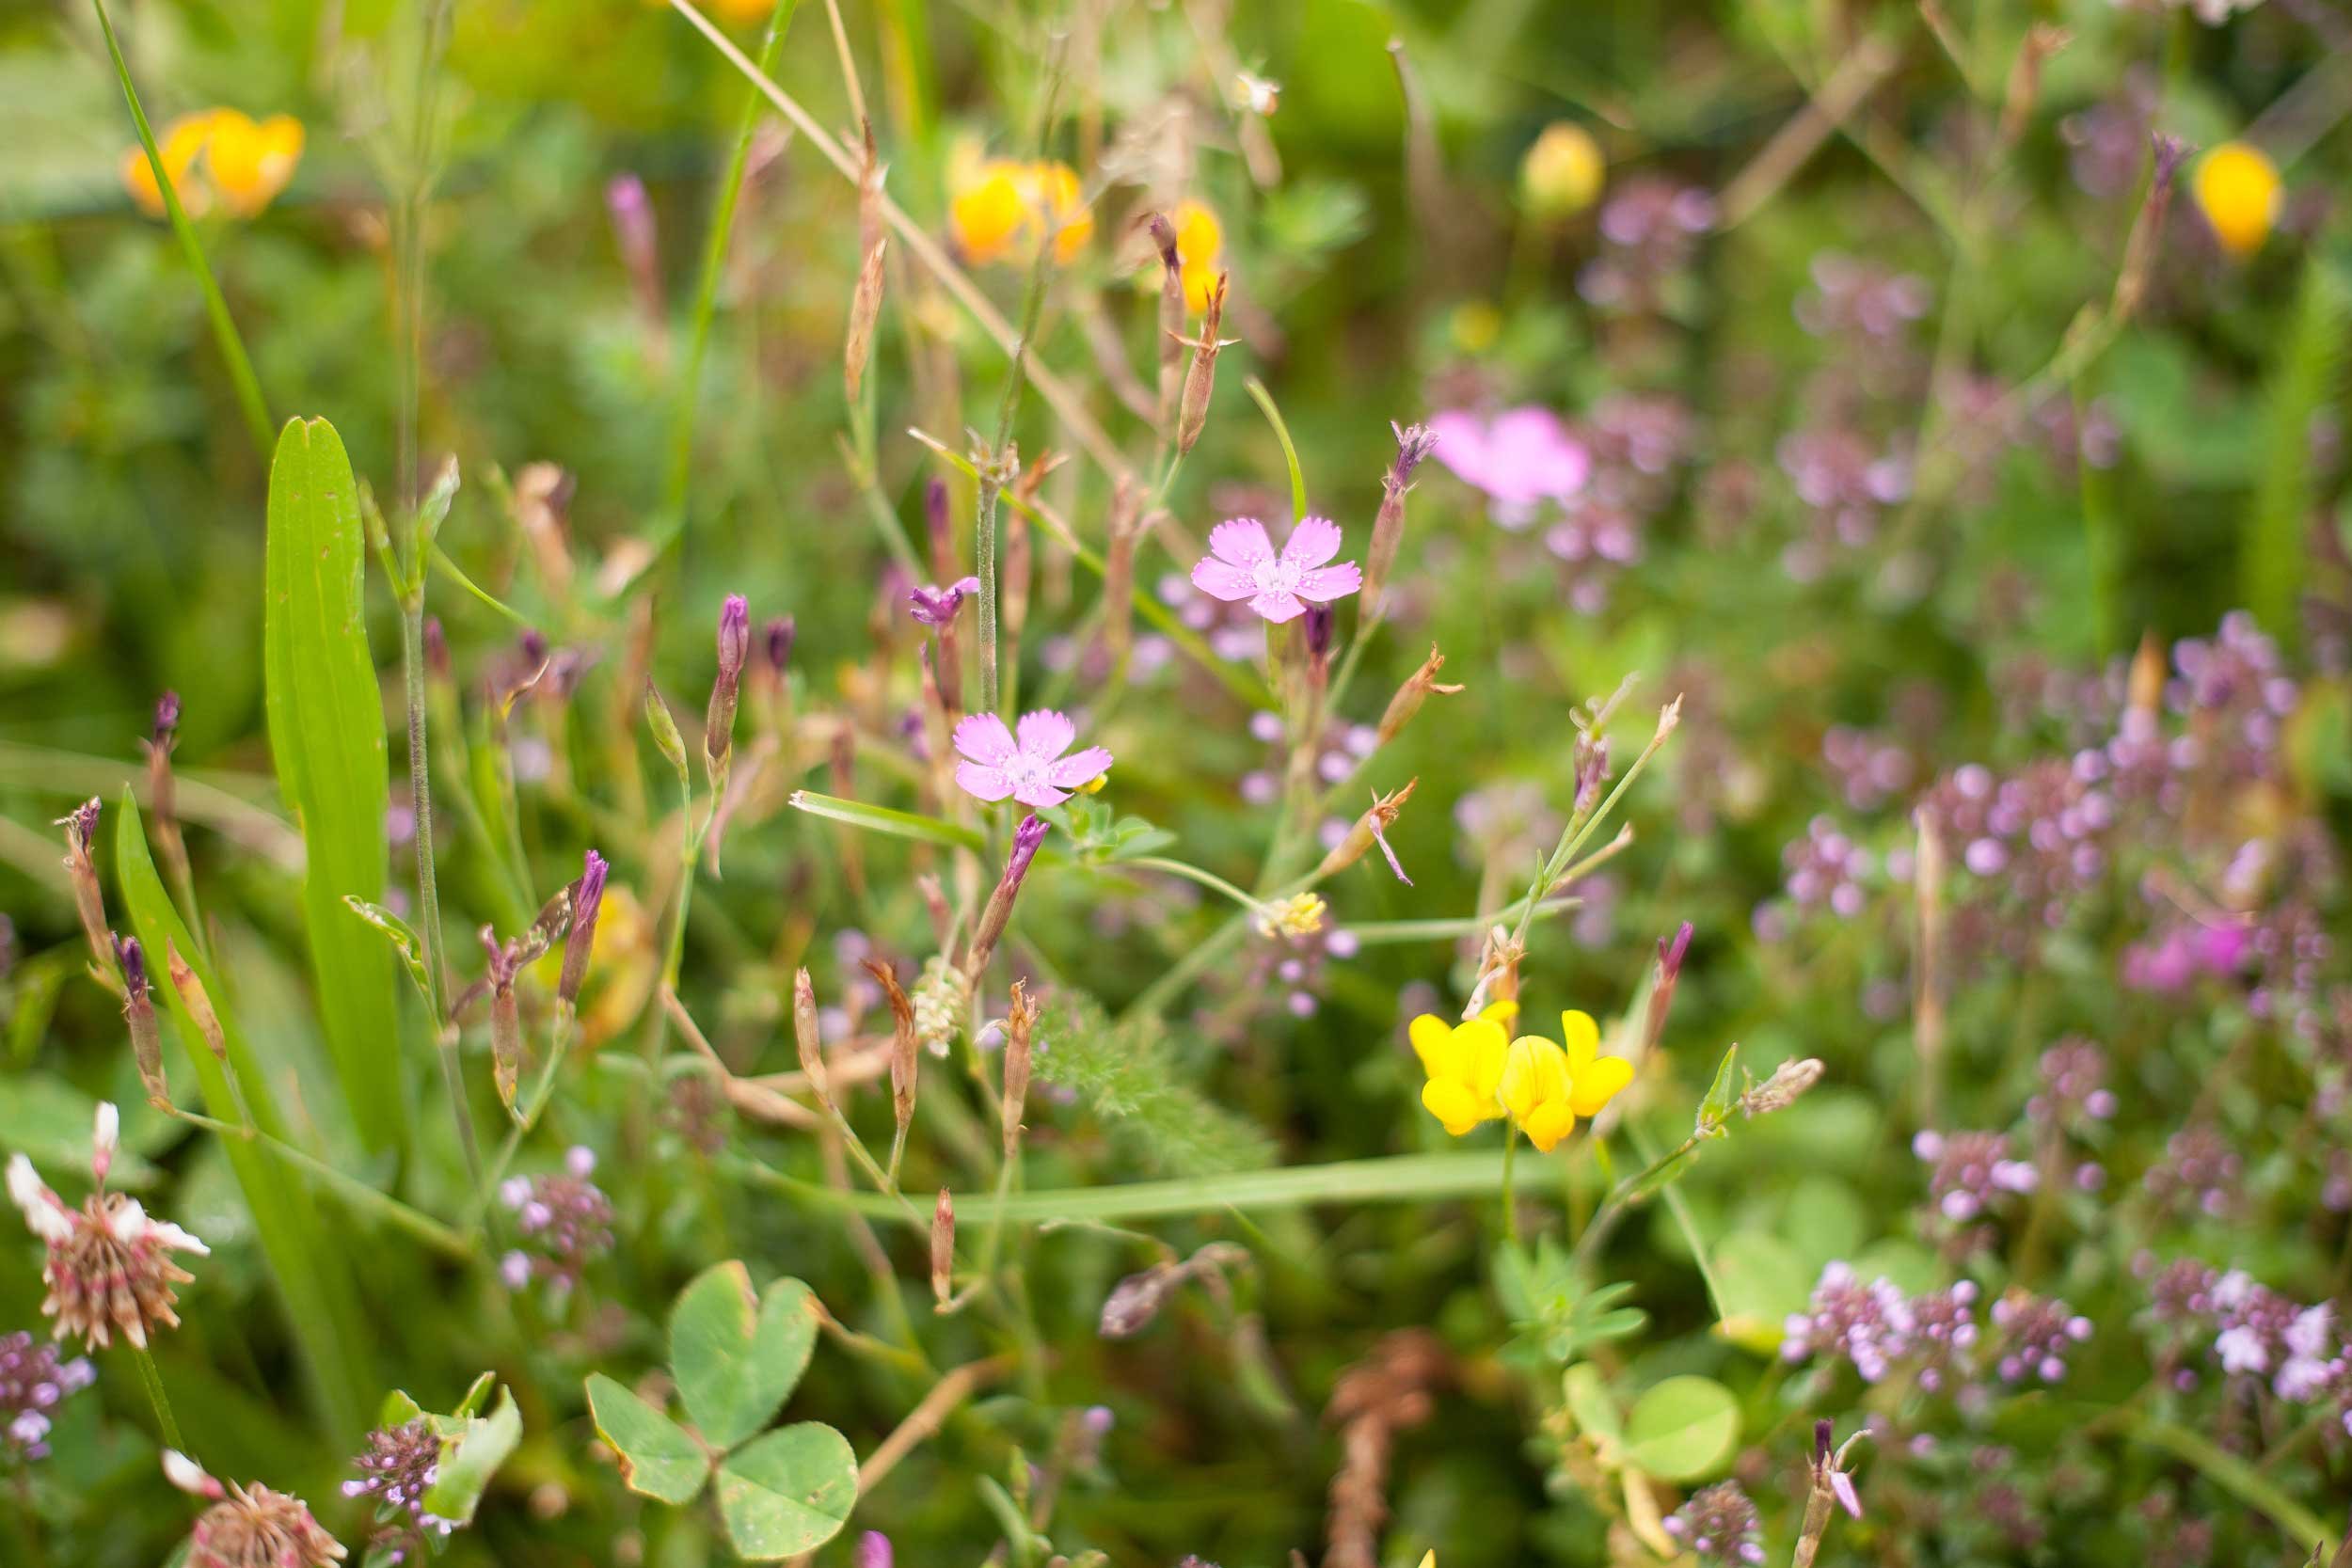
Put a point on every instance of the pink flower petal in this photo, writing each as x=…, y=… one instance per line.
x=983, y=784
x=1326, y=583
x=1222, y=579
x=982, y=736
x=1046, y=734
x=1314, y=541
x=1082, y=767
x=1040, y=795
x=1241, y=541
x=1279, y=608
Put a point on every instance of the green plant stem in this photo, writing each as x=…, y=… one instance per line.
x=249, y=401
x=1623, y=1197
x=675, y=484
x=153, y=1379
x=358, y=1195
x=1192, y=873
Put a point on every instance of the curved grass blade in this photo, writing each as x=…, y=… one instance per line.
x=321, y=1302
x=327, y=732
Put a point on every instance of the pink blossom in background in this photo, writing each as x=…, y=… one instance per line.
x=1521, y=458
x=1029, y=769
x=1242, y=565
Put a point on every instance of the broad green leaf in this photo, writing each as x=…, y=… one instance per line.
x=659, y=1457
x=326, y=736
x=1682, y=1429
x=736, y=1362
x=1719, y=1095
x=788, y=1493
x=471, y=1455
x=311, y=1275
x=1762, y=1280
x=398, y=1409
x=476, y=1396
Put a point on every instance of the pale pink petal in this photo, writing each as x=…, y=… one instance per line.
x=1241, y=541
x=1038, y=795
x=1279, y=608
x=1081, y=767
x=1314, y=541
x=1222, y=579
x=982, y=736
x=1046, y=734
x=983, y=784
x=1326, y=583
x=1461, y=443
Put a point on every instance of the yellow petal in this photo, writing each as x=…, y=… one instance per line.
x=1433, y=1042
x=2237, y=189
x=1198, y=236
x=1452, y=1104
x=1550, y=1122
x=182, y=140
x=1429, y=1558
x=985, y=216
x=1200, y=282
x=1580, y=1037
x=251, y=162
x=1502, y=1012
x=1534, y=1073
x=1598, y=1083
x=1484, y=1048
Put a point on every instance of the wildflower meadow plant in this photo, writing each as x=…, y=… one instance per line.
x=1089, y=786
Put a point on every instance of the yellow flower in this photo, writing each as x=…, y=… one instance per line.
x=182, y=140
x=2237, y=189
x=1198, y=239
x=1595, y=1078
x=1563, y=171
x=999, y=208
x=1465, y=1065
x=1545, y=1087
x=742, y=11
x=251, y=162
x=1299, y=915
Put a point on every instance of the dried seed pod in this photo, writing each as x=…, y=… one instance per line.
x=1020, y=1026
x=1192, y=411
x=806, y=1039
x=943, y=1248
x=904, y=1060
x=1370, y=829
x=1415, y=692
x=138, y=1015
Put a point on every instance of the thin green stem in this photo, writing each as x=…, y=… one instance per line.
x=249, y=401
x=674, y=487
x=1510, y=1204
x=153, y=1379
x=1206, y=879
x=358, y=1195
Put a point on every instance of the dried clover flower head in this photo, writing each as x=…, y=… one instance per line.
x=109, y=1266
x=249, y=1526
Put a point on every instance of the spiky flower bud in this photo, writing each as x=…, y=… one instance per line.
x=807, y=1038
x=89, y=902
x=1416, y=690
x=1020, y=1028
x=138, y=1015
x=579, y=944
x=1192, y=410
x=1413, y=444
x=905, y=1061
x=735, y=649
x=943, y=1248
x=1784, y=1089
x=998, y=910
x=1671, y=951
x=1370, y=829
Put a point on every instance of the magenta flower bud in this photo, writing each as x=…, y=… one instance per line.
x=1662, y=991
x=778, y=640
x=166, y=716
x=1319, y=630
x=587, y=899
x=533, y=647
x=735, y=649
x=873, y=1550
x=993, y=918
x=435, y=648
x=937, y=607
x=734, y=635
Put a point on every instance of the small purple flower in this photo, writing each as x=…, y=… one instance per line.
x=2036, y=1336
x=1718, y=1524
x=936, y=607
x=34, y=1378
x=873, y=1550
x=1521, y=458
x=1031, y=770
x=400, y=1465
x=1242, y=565
x=1867, y=1324
x=1973, y=1171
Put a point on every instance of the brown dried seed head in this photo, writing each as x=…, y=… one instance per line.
x=256, y=1528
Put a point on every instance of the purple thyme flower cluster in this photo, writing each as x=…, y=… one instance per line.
x=1347, y=746
x=1845, y=483
x=1868, y=1325
x=398, y=1468
x=35, y=1378
x=1866, y=306
x=2199, y=1171
x=1720, y=1524
x=1650, y=231
x=565, y=1221
x=1973, y=1172
x=2073, y=1084
x=2036, y=839
x=1943, y=1332
x=1870, y=768
x=1825, y=870
x=2036, y=1336
x=2255, y=1333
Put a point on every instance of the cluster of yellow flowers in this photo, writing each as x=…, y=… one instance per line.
x=245, y=162
x=1000, y=209
x=1478, y=1073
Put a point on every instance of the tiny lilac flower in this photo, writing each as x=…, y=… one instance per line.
x=1242, y=565
x=1031, y=770
x=936, y=607
x=1521, y=458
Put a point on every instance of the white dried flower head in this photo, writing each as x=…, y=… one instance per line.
x=256, y=1528
x=109, y=1268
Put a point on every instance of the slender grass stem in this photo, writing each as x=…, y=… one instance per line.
x=357, y=1195
x=153, y=1380
x=249, y=401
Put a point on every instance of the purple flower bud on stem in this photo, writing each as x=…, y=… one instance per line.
x=1662, y=991
x=580, y=942
x=998, y=912
x=1413, y=444
x=873, y=1550
x=778, y=640
x=735, y=649
x=166, y=716
x=138, y=1015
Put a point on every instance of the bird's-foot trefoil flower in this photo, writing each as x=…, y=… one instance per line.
x=1027, y=765
x=1545, y=1086
x=1242, y=565
x=1465, y=1063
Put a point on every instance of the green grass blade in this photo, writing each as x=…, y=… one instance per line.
x=2304, y=380
x=327, y=732
x=312, y=1283
x=249, y=399
x=1282, y=434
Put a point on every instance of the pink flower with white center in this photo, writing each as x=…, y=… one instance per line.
x=1029, y=769
x=1242, y=565
x=1521, y=458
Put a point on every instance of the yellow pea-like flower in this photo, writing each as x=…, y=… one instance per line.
x=1199, y=239
x=986, y=216
x=2236, y=187
x=183, y=140
x=1593, y=1079
x=1537, y=1091
x=1465, y=1063
x=1000, y=207
x=252, y=161
x=1563, y=171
